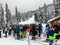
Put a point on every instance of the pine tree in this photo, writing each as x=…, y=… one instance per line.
x=19, y=17
x=36, y=17
x=1, y=15
x=40, y=16
x=6, y=9
x=8, y=14
x=57, y=7
x=45, y=15
x=17, y=13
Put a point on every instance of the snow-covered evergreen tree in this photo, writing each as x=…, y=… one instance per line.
x=8, y=14
x=1, y=15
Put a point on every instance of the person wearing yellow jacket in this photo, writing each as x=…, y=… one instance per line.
x=52, y=36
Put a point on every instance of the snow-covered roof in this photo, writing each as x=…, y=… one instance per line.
x=53, y=19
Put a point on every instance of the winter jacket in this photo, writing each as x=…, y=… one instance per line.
x=17, y=29
x=0, y=29
x=52, y=37
x=52, y=34
x=40, y=28
x=9, y=28
x=47, y=29
x=33, y=30
x=29, y=28
x=6, y=29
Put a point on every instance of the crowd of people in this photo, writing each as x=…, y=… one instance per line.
x=52, y=31
x=19, y=31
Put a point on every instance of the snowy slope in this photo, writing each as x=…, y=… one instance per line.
x=11, y=41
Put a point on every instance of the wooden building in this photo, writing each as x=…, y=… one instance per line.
x=56, y=19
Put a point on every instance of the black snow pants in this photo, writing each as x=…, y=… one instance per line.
x=0, y=34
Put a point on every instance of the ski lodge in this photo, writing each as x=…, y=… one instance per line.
x=56, y=19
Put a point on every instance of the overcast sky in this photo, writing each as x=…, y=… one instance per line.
x=25, y=5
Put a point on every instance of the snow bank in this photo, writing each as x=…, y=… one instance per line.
x=29, y=21
x=43, y=27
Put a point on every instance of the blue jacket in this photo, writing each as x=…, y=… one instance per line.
x=17, y=29
x=48, y=32
x=47, y=29
x=0, y=29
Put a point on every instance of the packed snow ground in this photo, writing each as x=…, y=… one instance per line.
x=10, y=40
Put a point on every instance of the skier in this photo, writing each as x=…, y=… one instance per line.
x=21, y=34
x=18, y=32
x=33, y=32
x=5, y=31
x=56, y=31
x=0, y=31
x=14, y=30
x=9, y=28
x=29, y=29
x=47, y=30
x=59, y=30
x=51, y=35
x=24, y=30
x=40, y=29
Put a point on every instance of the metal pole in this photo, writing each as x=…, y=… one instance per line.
x=28, y=38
